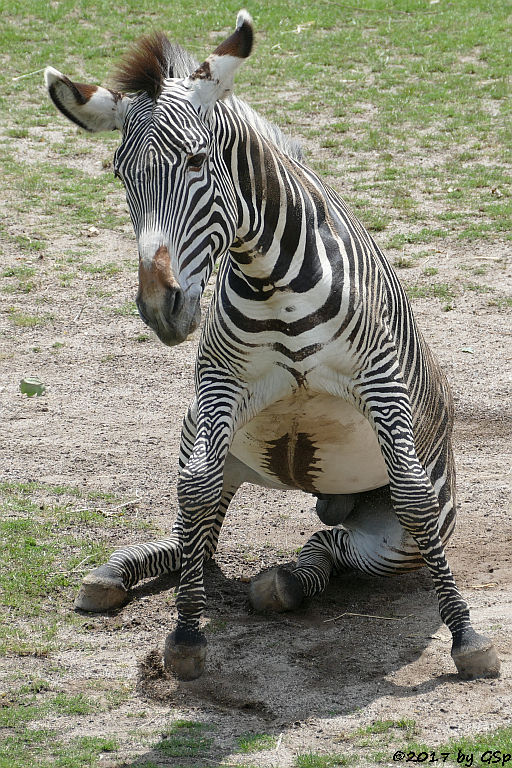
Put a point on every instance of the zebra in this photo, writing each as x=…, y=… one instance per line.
x=310, y=373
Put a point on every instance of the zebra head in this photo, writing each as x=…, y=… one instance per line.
x=179, y=191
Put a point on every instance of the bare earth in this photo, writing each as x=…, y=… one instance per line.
x=368, y=649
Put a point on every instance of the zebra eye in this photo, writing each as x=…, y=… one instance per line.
x=195, y=162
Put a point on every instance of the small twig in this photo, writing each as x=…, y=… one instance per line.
x=29, y=74
x=82, y=562
x=78, y=567
x=79, y=314
x=369, y=616
x=108, y=512
x=484, y=586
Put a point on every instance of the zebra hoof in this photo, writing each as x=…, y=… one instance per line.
x=101, y=590
x=276, y=590
x=474, y=656
x=185, y=656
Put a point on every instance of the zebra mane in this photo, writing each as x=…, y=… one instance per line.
x=145, y=67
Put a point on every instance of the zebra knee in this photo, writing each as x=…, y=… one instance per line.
x=199, y=488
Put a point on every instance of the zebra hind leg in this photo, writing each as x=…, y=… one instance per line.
x=282, y=590
x=371, y=541
x=108, y=586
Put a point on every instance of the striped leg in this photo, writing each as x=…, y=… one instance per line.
x=417, y=508
x=395, y=529
x=202, y=495
x=371, y=541
x=107, y=587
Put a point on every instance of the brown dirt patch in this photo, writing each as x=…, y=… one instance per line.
x=111, y=420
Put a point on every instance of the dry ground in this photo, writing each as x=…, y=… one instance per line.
x=110, y=420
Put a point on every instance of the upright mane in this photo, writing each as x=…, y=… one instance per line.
x=154, y=58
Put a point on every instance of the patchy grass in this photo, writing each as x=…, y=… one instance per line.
x=443, y=291
x=255, y=742
x=25, y=320
x=495, y=745
x=45, y=551
x=185, y=738
x=316, y=760
x=385, y=730
x=419, y=101
x=41, y=748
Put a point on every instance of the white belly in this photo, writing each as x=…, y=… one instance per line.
x=316, y=442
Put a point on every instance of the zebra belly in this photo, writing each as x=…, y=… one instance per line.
x=318, y=443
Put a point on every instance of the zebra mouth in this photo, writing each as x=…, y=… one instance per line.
x=174, y=319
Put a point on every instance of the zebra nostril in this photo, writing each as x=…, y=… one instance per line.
x=142, y=310
x=173, y=301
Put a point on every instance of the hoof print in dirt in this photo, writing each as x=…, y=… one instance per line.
x=475, y=656
x=183, y=657
x=101, y=591
x=276, y=590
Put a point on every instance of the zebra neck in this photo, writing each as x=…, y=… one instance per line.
x=281, y=212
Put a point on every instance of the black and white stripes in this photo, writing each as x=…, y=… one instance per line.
x=306, y=310
x=311, y=372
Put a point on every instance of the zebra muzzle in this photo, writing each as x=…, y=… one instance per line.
x=163, y=305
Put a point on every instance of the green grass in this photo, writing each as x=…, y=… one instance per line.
x=25, y=744
x=432, y=290
x=451, y=97
x=27, y=708
x=43, y=749
x=125, y=310
x=492, y=743
x=25, y=320
x=185, y=738
x=255, y=742
x=315, y=760
x=106, y=270
x=47, y=545
x=386, y=729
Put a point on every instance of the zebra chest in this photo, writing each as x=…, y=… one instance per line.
x=320, y=444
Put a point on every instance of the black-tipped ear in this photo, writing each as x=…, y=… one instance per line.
x=213, y=80
x=238, y=44
x=92, y=107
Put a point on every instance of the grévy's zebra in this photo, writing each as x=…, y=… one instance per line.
x=311, y=372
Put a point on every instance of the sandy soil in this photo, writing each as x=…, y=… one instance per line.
x=110, y=420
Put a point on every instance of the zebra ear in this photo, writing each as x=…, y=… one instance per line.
x=92, y=107
x=213, y=80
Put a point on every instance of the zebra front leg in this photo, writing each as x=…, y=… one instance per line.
x=185, y=648
x=204, y=493
x=108, y=586
x=417, y=508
